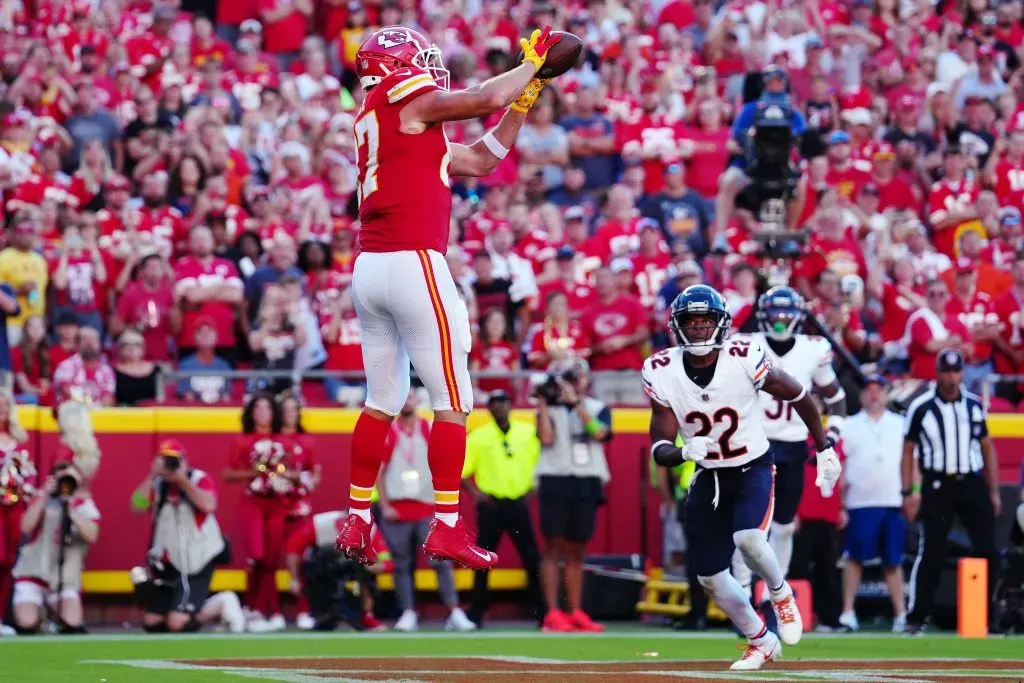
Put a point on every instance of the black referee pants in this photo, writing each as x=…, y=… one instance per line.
x=492, y=520
x=942, y=499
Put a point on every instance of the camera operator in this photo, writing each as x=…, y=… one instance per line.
x=762, y=161
x=572, y=428
x=318, y=569
x=60, y=523
x=186, y=545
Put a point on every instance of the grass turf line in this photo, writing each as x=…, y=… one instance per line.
x=70, y=660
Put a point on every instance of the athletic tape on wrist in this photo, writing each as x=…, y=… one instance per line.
x=494, y=147
x=803, y=392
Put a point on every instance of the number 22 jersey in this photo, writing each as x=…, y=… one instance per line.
x=727, y=410
x=405, y=202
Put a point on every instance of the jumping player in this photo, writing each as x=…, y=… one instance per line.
x=808, y=360
x=408, y=306
x=707, y=389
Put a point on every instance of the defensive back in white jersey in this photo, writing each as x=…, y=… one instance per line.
x=809, y=361
x=727, y=410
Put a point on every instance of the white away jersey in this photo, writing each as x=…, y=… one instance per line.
x=727, y=410
x=808, y=362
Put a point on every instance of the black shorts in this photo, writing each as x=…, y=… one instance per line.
x=173, y=592
x=568, y=507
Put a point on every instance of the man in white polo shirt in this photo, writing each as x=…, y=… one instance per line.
x=873, y=444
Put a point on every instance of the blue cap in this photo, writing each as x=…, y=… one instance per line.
x=838, y=137
x=876, y=378
x=565, y=253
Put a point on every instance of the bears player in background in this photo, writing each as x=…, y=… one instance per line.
x=707, y=390
x=407, y=302
x=808, y=360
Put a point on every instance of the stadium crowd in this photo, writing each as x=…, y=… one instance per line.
x=179, y=177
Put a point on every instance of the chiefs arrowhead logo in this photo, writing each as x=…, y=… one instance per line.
x=392, y=39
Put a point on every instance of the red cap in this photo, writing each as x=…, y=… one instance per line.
x=964, y=265
x=118, y=182
x=885, y=151
x=171, y=447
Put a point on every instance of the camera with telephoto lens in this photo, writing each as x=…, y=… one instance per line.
x=549, y=389
x=171, y=463
x=67, y=480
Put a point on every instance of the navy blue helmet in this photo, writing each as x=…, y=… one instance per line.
x=700, y=301
x=780, y=311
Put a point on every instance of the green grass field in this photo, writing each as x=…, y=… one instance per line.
x=623, y=654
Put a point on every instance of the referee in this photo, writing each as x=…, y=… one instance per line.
x=501, y=457
x=954, y=474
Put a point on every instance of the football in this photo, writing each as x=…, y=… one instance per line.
x=561, y=57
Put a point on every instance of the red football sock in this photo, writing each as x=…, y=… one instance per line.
x=446, y=454
x=367, y=454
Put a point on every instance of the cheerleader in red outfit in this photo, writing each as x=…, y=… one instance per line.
x=309, y=478
x=17, y=486
x=263, y=461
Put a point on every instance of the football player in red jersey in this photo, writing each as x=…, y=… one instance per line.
x=407, y=302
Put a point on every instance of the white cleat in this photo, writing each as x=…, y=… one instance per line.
x=899, y=623
x=767, y=650
x=458, y=621
x=849, y=620
x=790, y=625
x=305, y=622
x=408, y=622
x=6, y=630
x=277, y=622
x=257, y=623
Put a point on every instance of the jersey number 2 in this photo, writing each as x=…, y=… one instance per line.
x=721, y=415
x=367, y=132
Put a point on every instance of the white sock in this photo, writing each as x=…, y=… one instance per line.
x=758, y=555
x=730, y=596
x=449, y=518
x=361, y=513
x=781, y=541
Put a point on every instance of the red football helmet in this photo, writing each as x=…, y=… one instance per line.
x=396, y=47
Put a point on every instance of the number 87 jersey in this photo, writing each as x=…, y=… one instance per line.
x=727, y=410
x=405, y=202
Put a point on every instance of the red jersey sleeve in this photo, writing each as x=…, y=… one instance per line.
x=302, y=538
x=405, y=85
x=920, y=333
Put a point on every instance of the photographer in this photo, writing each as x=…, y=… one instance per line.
x=572, y=428
x=60, y=523
x=317, y=570
x=762, y=162
x=186, y=545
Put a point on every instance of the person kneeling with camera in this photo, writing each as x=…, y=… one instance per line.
x=187, y=545
x=61, y=523
x=572, y=428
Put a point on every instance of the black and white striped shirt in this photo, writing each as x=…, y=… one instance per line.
x=947, y=433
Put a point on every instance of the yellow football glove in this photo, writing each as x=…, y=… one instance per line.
x=529, y=96
x=535, y=49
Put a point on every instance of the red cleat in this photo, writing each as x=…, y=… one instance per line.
x=354, y=540
x=582, y=621
x=371, y=623
x=557, y=621
x=452, y=543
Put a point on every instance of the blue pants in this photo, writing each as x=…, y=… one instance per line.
x=790, y=464
x=876, y=533
x=745, y=501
